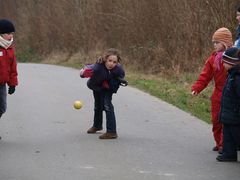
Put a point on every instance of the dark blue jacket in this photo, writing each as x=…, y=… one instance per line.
x=230, y=102
x=101, y=74
x=237, y=40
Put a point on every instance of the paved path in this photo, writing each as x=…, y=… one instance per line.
x=44, y=138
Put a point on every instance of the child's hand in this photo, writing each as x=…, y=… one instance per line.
x=11, y=90
x=85, y=73
x=123, y=82
x=194, y=93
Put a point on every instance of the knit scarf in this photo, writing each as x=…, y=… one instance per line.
x=5, y=43
x=218, y=60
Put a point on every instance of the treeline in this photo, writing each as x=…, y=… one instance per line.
x=153, y=35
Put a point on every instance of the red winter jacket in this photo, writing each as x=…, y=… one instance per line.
x=208, y=73
x=8, y=67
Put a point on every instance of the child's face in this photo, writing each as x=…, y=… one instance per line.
x=7, y=36
x=111, y=62
x=218, y=46
x=227, y=66
x=238, y=17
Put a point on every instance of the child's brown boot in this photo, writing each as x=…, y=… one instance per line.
x=108, y=135
x=93, y=130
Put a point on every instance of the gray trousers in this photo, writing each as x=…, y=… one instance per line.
x=3, y=99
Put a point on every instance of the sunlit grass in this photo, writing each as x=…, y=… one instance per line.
x=176, y=91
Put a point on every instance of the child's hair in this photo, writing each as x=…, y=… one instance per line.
x=109, y=52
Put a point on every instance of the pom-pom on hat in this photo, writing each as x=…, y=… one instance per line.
x=6, y=26
x=231, y=56
x=224, y=36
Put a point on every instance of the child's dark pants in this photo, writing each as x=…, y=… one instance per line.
x=3, y=99
x=103, y=101
x=231, y=140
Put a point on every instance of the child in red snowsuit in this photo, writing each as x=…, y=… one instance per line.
x=8, y=64
x=214, y=70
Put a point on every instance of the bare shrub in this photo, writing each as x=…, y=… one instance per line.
x=154, y=35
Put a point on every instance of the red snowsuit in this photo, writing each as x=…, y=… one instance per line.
x=219, y=74
x=8, y=67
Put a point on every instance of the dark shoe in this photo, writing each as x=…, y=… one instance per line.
x=215, y=148
x=93, y=130
x=220, y=151
x=108, y=136
x=221, y=158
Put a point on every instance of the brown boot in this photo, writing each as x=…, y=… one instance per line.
x=108, y=136
x=93, y=130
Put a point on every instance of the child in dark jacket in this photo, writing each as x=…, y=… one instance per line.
x=237, y=40
x=8, y=64
x=230, y=106
x=105, y=77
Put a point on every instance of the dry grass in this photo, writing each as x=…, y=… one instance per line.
x=154, y=35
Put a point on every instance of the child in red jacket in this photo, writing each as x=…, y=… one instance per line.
x=8, y=64
x=214, y=70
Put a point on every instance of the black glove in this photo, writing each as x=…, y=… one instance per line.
x=123, y=82
x=11, y=89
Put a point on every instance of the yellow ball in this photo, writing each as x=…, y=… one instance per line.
x=77, y=105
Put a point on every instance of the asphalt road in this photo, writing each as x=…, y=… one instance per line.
x=44, y=138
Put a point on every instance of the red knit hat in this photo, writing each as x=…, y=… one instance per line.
x=224, y=36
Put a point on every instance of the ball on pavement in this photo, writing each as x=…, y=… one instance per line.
x=77, y=105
